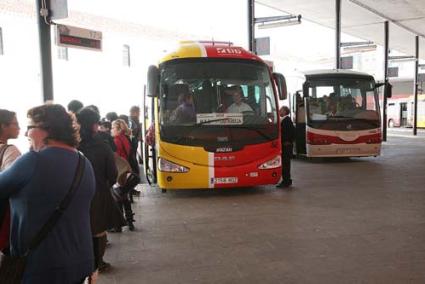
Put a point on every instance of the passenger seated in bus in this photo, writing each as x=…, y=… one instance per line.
x=238, y=105
x=185, y=111
x=332, y=108
x=347, y=103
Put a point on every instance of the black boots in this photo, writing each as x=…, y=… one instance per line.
x=130, y=225
x=130, y=220
x=99, y=246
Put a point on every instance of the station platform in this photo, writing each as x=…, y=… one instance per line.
x=359, y=220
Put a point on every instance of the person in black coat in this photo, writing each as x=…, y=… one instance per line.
x=104, y=133
x=104, y=213
x=287, y=139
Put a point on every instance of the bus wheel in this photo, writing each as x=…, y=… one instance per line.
x=390, y=123
x=163, y=190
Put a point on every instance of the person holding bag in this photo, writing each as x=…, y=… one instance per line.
x=50, y=190
x=120, y=132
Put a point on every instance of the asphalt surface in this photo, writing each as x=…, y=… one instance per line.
x=359, y=220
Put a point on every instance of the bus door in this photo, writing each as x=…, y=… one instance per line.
x=403, y=114
x=149, y=154
x=300, y=124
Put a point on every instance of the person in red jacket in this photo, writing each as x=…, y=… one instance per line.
x=121, y=134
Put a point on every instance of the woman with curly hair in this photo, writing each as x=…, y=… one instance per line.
x=36, y=184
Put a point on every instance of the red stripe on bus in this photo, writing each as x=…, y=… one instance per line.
x=318, y=139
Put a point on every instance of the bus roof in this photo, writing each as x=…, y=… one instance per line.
x=336, y=73
x=212, y=49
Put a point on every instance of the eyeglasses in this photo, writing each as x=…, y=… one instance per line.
x=29, y=127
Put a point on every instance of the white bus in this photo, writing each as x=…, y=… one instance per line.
x=400, y=112
x=337, y=114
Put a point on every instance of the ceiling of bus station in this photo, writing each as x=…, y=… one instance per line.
x=365, y=19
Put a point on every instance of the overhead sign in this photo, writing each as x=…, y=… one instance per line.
x=68, y=36
x=346, y=62
x=262, y=45
x=58, y=9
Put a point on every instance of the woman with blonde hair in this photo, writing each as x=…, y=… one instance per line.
x=121, y=134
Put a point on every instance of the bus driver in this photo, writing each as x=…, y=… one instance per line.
x=238, y=105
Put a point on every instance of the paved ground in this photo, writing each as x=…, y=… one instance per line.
x=344, y=221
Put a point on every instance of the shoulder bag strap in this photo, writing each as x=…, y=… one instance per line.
x=54, y=218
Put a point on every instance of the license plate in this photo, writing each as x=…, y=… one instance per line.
x=225, y=180
x=347, y=150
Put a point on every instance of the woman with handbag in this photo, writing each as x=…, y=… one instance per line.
x=50, y=190
x=104, y=213
x=121, y=132
x=9, y=129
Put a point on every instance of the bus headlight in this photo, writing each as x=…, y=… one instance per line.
x=167, y=166
x=271, y=164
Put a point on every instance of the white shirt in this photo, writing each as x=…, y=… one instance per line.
x=234, y=108
x=10, y=155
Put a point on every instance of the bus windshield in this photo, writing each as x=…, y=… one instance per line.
x=206, y=101
x=333, y=103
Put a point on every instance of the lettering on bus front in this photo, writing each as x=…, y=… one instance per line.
x=224, y=149
x=228, y=50
x=220, y=118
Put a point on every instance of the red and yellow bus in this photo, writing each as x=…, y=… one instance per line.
x=216, y=145
x=337, y=114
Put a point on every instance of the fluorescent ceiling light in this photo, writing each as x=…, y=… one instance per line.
x=277, y=21
x=402, y=58
x=356, y=43
x=278, y=24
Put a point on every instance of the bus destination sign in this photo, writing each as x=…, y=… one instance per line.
x=68, y=36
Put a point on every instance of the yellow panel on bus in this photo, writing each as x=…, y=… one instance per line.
x=198, y=175
x=186, y=49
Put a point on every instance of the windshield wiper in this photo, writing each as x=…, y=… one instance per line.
x=339, y=116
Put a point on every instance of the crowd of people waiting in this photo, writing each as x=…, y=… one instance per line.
x=59, y=200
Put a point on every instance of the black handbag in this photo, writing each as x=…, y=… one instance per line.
x=12, y=267
x=120, y=192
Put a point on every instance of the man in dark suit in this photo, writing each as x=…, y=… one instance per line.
x=287, y=139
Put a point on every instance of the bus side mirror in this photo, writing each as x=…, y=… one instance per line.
x=388, y=88
x=153, y=79
x=281, y=85
x=388, y=91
